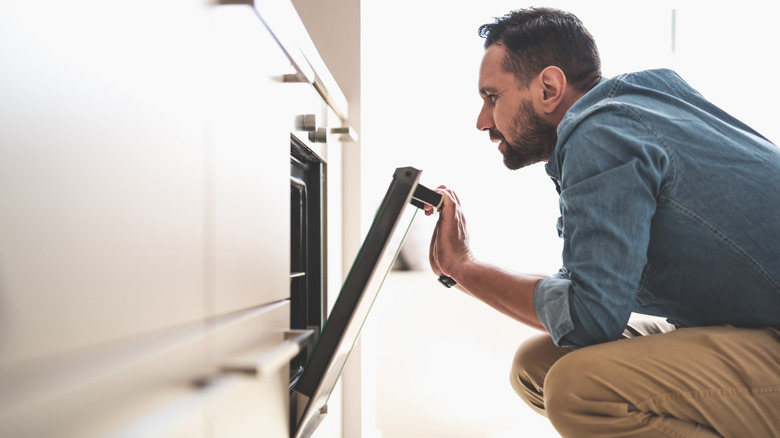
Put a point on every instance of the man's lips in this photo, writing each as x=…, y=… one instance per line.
x=496, y=137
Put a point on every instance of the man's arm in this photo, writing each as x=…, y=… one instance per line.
x=508, y=292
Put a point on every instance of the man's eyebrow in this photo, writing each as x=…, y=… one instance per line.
x=484, y=91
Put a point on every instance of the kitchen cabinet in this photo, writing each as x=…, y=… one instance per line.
x=101, y=174
x=145, y=214
x=248, y=223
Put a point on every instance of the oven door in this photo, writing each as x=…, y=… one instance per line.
x=375, y=259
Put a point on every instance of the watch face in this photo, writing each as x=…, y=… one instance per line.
x=342, y=328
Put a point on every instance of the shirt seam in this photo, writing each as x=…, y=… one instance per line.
x=668, y=185
x=670, y=182
x=737, y=248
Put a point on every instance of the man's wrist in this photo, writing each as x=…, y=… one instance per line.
x=458, y=274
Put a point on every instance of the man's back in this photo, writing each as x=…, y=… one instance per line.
x=664, y=193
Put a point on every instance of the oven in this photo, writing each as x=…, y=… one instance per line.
x=308, y=244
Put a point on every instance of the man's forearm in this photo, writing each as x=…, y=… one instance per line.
x=510, y=293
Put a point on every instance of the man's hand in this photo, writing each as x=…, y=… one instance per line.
x=450, y=241
x=508, y=292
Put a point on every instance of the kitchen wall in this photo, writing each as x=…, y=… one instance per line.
x=443, y=358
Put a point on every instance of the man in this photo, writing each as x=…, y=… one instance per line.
x=669, y=207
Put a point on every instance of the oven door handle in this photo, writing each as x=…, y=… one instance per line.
x=272, y=359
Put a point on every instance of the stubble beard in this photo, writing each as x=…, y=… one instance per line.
x=533, y=139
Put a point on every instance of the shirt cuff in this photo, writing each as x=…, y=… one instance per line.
x=551, y=303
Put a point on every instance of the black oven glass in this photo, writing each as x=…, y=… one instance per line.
x=307, y=244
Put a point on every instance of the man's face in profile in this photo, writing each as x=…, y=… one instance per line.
x=509, y=116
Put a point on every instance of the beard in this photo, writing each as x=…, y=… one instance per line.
x=531, y=140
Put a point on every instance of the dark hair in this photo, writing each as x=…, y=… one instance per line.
x=536, y=38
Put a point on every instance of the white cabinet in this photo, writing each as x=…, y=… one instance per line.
x=101, y=173
x=145, y=217
x=247, y=188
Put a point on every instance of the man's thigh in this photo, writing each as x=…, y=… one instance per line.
x=536, y=356
x=700, y=381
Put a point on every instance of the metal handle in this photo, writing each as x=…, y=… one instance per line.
x=306, y=122
x=423, y=195
x=346, y=133
x=323, y=135
x=319, y=135
x=273, y=359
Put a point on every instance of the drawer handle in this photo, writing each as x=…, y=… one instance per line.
x=346, y=133
x=323, y=135
x=273, y=359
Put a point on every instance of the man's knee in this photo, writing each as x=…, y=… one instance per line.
x=531, y=363
x=574, y=390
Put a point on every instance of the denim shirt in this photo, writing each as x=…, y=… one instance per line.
x=669, y=207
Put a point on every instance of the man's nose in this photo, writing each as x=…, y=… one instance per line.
x=485, y=119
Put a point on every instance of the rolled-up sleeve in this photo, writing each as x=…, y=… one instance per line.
x=551, y=302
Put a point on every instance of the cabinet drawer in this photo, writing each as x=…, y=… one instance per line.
x=250, y=349
x=108, y=390
x=247, y=177
x=101, y=173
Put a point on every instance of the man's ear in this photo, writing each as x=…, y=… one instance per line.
x=553, y=85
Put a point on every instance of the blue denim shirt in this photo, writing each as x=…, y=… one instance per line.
x=669, y=207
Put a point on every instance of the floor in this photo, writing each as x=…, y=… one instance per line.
x=442, y=369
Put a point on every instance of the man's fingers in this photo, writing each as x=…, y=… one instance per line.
x=432, y=257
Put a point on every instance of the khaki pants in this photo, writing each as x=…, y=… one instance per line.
x=657, y=382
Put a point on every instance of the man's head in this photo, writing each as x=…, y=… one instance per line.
x=536, y=38
x=537, y=63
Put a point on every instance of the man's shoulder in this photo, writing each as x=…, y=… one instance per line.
x=612, y=120
x=663, y=81
x=648, y=89
x=659, y=77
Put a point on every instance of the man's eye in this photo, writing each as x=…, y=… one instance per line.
x=492, y=97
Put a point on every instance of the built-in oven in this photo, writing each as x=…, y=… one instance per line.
x=308, y=244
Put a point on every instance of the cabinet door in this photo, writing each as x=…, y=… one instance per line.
x=252, y=403
x=101, y=172
x=248, y=180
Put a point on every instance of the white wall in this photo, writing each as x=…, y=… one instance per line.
x=443, y=358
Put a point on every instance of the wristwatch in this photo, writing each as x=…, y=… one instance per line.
x=447, y=281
